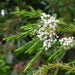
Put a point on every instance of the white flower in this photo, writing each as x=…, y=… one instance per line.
x=55, y=40
x=39, y=25
x=57, y=36
x=49, y=45
x=45, y=43
x=39, y=36
x=57, y=21
x=42, y=18
x=53, y=33
x=66, y=41
x=46, y=33
x=46, y=48
x=48, y=15
x=44, y=14
x=45, y=25
x=50, y=36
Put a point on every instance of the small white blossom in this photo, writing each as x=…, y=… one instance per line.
x=39, y=25
x=46, y=33
x=66, y=41
x=46, y=48
x=44, y=14
x=2, y=12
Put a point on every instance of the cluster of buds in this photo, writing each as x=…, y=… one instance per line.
x=66, y=41
x=46, y=31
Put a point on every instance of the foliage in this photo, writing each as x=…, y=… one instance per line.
x=60, y=50
x=45, y=68
x=3, y=65
x=21, y=19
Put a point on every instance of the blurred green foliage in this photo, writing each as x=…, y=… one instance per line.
x=18, y=13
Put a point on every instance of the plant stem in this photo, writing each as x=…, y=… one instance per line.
x=56, y=71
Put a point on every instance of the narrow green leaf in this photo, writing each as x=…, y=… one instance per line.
x=71, y=62
x=26, y=45
x=69, y=71
x=18, y=35
x=53, y=55
x=32, y=10
x=31, y=49
x=59, y=54
x=32, y=60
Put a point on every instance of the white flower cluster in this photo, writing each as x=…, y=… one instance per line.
x=46, y=31
x=66, y=41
